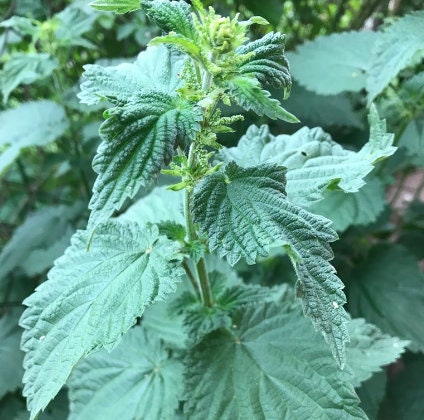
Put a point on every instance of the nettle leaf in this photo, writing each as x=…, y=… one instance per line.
x=171, y=16
x=346, y=209
x=25, y=68
x=268, y=63
x=406, y=391
x=387, y=290
x=394, y=50
x=369, y=349
x=256, y=369
x=90, y=299
x=160, y=205
x=141, y=132
x=371, y=393
x=334, y=63
x=247, y=92
x=10, y=354
x=36, y=235
x=138, y=139
x=156, y=68
x=36, y=123
x=323, y=110
x=117, y=6
x=138, y=380
x=244, y=211
x=314, y=161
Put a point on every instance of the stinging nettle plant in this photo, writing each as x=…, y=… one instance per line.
x=220, y=349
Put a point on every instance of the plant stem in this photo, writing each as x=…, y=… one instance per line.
x=191, y=278
x=202, y=272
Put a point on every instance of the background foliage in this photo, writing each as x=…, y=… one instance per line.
x=343, y=56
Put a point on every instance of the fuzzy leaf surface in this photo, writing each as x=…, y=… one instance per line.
x=172, y=16
x=90, y=299
x=256, y=369
x=247, y=92
x=369, y=349
x=387, y=289
x=313, y=160
x=138, y=139
x=243, y=211
x=117, y=6
x=335, y=63
x=34, y=123
x=394, y=50
x=268, y=64
x=137, y=380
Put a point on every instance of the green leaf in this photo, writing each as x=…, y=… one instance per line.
x=185, y=44
x=36, y=235
x=172, y=16
x=243, y=212
x=334, y=63
x=268, y=63
x=138, y=380
x=322, y=110
x=117, y=6
x=35, y=123
x=247, y=92
x=11, y=356
x=394, y=50
x=138, y=140
x=256, y=369
x=369, y=349
x=412, y=140
x=90, y=299
x=156, y=69
x=314, y=161
x=160, y=205
x=168, y=327
x=371, y=393
x=24, y=69
x=405, y=393
x=346, y=209
x=387, y=289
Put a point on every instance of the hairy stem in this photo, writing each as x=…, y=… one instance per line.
x=202, y=272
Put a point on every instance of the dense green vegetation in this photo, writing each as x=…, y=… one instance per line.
x=203, y=218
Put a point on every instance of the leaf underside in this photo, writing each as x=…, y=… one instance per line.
x=313, y=160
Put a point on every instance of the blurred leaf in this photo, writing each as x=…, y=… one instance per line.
x=394, y=50
x=30, y=124
x=11, y=356
x=313, y=109
x=405, y=393
x=387, y=289
x=334, y=63
x=25, y=68
x=117, y=6
x=412, y=140
x=371, y=393
x=36, y=238
x=346, y=209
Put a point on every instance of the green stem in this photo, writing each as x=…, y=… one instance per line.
x=202, y=272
